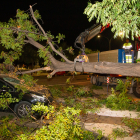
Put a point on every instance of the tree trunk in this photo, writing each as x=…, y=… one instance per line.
x=101, y=68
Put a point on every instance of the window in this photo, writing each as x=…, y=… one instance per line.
x=2, y=85
x=11, y=80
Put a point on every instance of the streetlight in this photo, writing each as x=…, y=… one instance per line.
x=109, y=40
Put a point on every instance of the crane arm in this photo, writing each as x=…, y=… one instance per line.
x=87, y=35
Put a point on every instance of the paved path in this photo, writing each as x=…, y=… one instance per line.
x=106, y=120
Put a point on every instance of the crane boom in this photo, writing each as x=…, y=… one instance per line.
x=87, y=35
x=93, y=31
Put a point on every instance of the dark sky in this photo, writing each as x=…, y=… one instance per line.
x=61, y=16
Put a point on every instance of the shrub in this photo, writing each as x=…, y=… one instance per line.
x=83, y=91
x=120, y=101
x=118, y=132
x=55, y=92
x=6, y=99
x=70, y=88
x=65, y=125
x=132, y=123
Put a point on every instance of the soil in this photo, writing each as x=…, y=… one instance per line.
x=94, y=118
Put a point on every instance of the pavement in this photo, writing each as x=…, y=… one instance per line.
x=107, y=128
x=126, y=113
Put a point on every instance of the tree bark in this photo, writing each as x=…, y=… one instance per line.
x=35, y=70
x=123, y=69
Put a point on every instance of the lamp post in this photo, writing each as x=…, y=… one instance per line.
x=109, y=40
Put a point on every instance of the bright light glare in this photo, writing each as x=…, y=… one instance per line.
x=121, y=33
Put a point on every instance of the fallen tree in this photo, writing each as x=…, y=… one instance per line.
x=26, y=29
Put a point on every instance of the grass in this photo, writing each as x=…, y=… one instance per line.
x=121, y=101
x=134, y=124
x=9, y=129
x=96, y=87
x=118, y=132
x=72, y=90
x=115, y=101
x=87, y=135
x=6, y=118
x=73, y=96
x=77, y=97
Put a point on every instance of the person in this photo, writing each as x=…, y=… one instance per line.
x=127, y=49
x=127, y=45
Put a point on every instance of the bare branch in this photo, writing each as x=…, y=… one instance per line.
x=49, y=42
x=39, y=46
x=13, y=111
x=34, y=4
x=31, y=71
x=25, y=31
x=52, y=73
x=43, y=117
x=34, y=43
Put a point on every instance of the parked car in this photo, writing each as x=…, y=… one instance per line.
x=60, y=73
x=7, y=84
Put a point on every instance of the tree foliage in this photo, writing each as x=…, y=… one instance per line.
x=16, y=33
x=13, y=39
x=122, y=15
x=65, y=125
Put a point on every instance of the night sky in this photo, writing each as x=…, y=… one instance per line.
x=62, y=16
